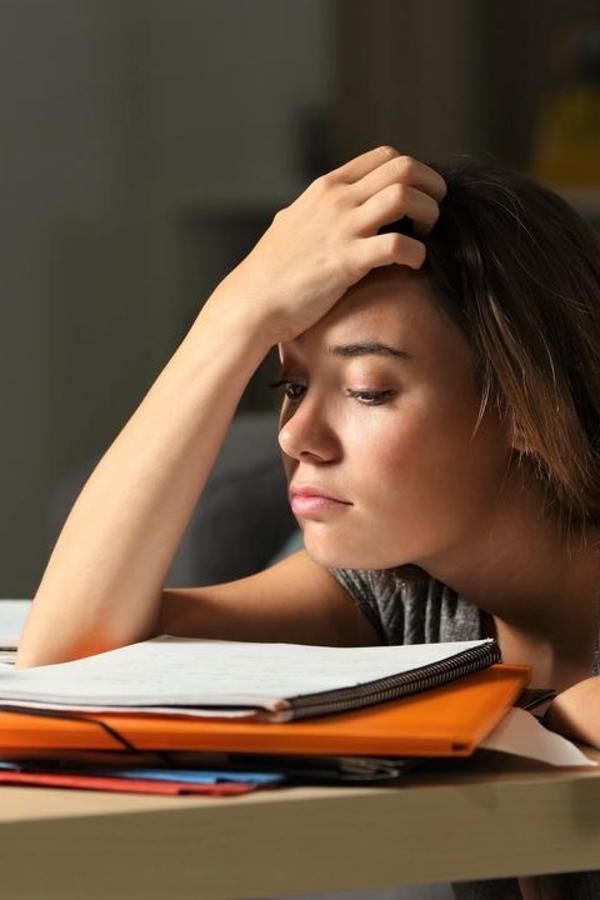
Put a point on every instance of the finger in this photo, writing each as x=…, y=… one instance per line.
x=361, y=165
x=393, y=202
x=388, y=249
x=403, y=170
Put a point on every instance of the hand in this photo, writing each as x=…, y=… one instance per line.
x=575, y=713
x=326, y=241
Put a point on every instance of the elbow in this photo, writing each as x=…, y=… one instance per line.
x=46, y=642
x=46, y=655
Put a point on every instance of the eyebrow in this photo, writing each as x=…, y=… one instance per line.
x=372, y=348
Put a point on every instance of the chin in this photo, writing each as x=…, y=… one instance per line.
x=335, y=555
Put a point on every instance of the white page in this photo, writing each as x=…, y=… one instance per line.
x=199, y=712
x=520, y=733
x=12, y=619
x=195, y=672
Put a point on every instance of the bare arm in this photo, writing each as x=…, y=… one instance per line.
x=575, y=712
x=295, y=601
x=102, y=585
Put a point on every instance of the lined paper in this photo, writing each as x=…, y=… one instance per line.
x=170, y=670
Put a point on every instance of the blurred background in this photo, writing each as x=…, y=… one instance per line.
x=145, y=146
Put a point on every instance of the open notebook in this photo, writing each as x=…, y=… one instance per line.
x=229, y=679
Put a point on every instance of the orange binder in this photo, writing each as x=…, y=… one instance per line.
x=450, y=720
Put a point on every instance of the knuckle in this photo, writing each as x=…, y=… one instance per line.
x=397, y=192
x=338, y=198
x=430, y=214
x=387, y=150
x=324, y=182
x=326, y=189
x=405, y=165
x=395, y=242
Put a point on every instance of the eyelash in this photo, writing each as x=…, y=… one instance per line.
x=368, y=398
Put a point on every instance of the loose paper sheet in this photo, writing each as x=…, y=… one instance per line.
x=521, y=733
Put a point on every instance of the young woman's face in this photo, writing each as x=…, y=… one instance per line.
x=391, y=435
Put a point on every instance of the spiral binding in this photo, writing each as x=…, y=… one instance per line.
x=395, y=686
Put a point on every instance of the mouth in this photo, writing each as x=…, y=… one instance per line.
x=305, y=504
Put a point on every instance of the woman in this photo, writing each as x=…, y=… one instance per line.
x=439, y=432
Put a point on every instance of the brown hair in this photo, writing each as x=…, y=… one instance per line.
x=518, y=270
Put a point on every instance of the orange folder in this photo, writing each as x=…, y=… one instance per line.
x=450, y=720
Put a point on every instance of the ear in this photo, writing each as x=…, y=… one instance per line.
x=518, y=440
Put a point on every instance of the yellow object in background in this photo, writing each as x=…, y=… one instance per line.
x=567, y=144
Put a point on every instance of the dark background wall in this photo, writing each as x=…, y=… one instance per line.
x=145, y=145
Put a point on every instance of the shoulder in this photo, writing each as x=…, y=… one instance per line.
x=406, y=605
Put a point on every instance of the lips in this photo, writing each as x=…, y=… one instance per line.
x=310, y=504
x=309, y=490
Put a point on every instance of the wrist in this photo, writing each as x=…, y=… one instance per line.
x=234, y=317
x=228, y=330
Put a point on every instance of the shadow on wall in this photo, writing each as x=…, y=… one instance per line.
x=243, y=518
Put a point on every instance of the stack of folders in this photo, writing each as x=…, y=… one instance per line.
x=187, y=715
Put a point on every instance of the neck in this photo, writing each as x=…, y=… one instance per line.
x=518, y=567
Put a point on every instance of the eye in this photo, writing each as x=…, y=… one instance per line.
x=289, y=387
x=370, y=398
x=367, y=398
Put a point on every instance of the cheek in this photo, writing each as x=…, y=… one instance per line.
x=426, y=454
x=402, y=435
x=395, y=449
x=383, y=449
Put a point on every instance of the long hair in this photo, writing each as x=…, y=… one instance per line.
x=518, y=270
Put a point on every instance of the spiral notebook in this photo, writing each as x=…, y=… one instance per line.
x=231, y=679
x=450, y=720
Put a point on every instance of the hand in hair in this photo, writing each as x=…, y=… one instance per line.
x=327, y=240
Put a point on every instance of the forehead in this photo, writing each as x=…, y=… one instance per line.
x=394, y=305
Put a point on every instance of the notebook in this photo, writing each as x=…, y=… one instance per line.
x=274, y=681
x=449, y=720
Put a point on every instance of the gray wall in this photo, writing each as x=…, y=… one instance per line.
x=128, y=124
x=115, y=117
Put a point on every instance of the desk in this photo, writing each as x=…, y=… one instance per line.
x=488, y=816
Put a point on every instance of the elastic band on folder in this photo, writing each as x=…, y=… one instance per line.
x=56, y=714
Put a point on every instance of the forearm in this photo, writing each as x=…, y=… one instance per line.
x=575, y=713
x=102, y=585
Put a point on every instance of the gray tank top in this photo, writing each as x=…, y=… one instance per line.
x=407, y=606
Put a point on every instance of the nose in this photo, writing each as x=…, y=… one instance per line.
x=306, y=434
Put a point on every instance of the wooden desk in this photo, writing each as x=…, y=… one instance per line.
x=484, y=817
